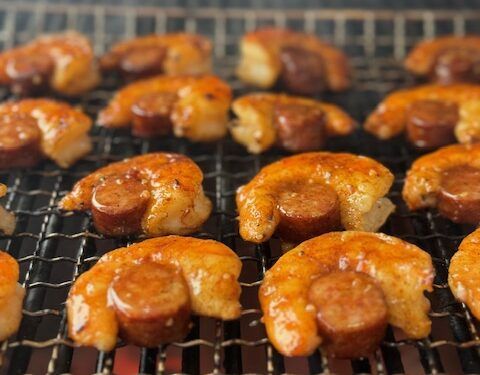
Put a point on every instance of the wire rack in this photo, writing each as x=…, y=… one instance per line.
x=53, y=247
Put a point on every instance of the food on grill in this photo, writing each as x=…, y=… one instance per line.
x=175, y=53
x=154, y=194
x=446, y=59
x=307, y=210
x=448, y=179
x=434, y=115
x=64, y=63
x=431, y=123
x=11, y=296
x=463, y=273
x=351, y=313
x=151, y=302
x=7, y=219
x=140, y=291
x=294, y=290
x=195, y=107
x=34, y=129
x=301, y=63
x=359, y=183
x=293, y=123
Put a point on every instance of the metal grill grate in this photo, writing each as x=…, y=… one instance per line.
x=53, y=247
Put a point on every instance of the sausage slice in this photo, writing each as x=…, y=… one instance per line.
x=457, y=65
x=151, y=114
x=152, y=304
x=302, y=71
x=118, y=205
x=299, y=127
x=351, y=313
x=20, y=140
x=307, y=211
x=30, y=73
x=431, y=123
x=142, y=62
x=459, y=195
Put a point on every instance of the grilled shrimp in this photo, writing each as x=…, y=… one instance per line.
x=64, y=63
x=171, y=54
x=32, y=129
x=7, y=219
x=463, y=273
x=359, y=182
x=446, y=59
x=402, y=270
x=294, y=123
x=303, y=63
x=424, y=176
x=155, y=194
x=210, y=269
x=11, y=296
x=391, y=115
x=193, y=107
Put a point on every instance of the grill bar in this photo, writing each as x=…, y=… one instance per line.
x=54, y=248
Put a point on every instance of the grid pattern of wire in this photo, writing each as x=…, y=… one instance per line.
x=54, y=247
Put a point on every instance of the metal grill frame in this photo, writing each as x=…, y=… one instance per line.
x=46, y=239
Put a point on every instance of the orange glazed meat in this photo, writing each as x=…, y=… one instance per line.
x=454, y=115
x=448, y=179
x=191, y=275
x=293, y=123
x=195, y=107
x=464, y=274
x=170, y=54
x=357, y=182
x=32, y=129
x=302, y=63
x=64, y=63
x=155, y=194
x=11, y=296
x=290, y=306
x=447, y=59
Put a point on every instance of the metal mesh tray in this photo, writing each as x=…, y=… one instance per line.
x=53, y=248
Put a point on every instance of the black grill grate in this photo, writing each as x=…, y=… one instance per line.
x=54, y=247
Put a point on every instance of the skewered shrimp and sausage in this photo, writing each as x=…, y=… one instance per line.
x=309, y=194
x=147, y=291
x=293, y=123
x=154, y=54
x=154, y=194
x=447, y=59
x=433, y=115
x=313, y=293
x=195, y=107
x=64, y=63
x=448, y=179
x=302, y=63
x=34, y=129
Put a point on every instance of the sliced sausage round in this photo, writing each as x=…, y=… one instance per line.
x=459, y=195
x=457, y=65
x=151, y=114
x=299, y=127
x=431, y=123
x=20, y=141
x=302, y=71
x=351, y=313
x=118, y=205
x=306, y=211
x=30, y=73
x=142, y=62
x=152, y=304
